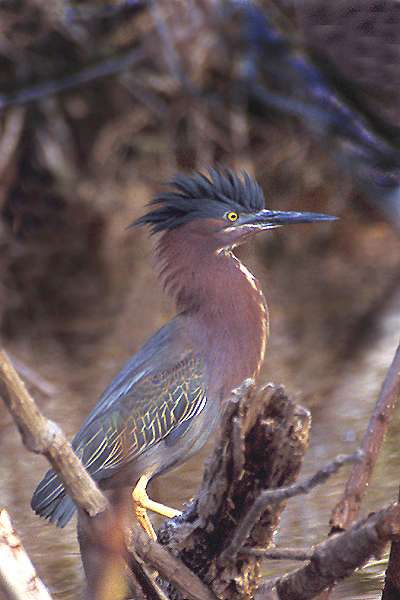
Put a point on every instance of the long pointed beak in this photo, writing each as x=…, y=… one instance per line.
x=274, y=218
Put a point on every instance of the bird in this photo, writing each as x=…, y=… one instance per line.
x=162, y=406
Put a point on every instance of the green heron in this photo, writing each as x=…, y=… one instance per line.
x=162, y=406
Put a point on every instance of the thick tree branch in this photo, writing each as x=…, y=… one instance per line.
x=42, y=436
x=337, y=558
x=169, y=567
x=262, y=442
x=391, y=590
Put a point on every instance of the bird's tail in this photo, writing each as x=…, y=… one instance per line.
x=51, y=501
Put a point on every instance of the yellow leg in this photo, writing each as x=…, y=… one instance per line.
x=142, y=503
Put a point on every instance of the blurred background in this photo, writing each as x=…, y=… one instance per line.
x=103, y=102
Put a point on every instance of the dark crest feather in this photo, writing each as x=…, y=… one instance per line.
x=201, y=196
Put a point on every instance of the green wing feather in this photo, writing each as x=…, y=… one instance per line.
x=153, y=408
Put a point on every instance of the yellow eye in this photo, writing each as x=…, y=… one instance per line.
x=231, y=216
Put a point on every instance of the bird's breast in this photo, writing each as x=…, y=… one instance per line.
x=232, y=331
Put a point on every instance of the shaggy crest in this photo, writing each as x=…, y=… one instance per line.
x=199, y=196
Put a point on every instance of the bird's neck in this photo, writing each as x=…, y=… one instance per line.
x=223, y=305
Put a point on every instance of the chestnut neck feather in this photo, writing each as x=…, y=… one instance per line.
x=223, y=307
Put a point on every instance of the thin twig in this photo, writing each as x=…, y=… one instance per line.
x=169, y=50
x=10, y=137
x=143, y=580
x=348, y=509
x=109, y=66
x=276, y=496
x=33, y=378
x=274, y=553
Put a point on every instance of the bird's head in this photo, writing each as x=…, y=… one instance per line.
x=222, y=207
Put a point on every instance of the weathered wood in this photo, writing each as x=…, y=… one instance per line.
x=262, y=443
x=348, y=508
x=42, y=436
x=18, y=578
x=338, y=557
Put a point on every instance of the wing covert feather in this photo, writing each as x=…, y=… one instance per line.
x=156, y=405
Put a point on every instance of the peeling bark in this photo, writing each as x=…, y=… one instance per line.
x=263, y=440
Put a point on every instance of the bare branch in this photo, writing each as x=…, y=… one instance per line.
x=109, y=66
x=336, y=558
x=34, y=379
x=274, y=553
x=18, y=578
x=268, y=497
x=173, y=569
x=348, y=509
x=42, y=436
x=391, y=590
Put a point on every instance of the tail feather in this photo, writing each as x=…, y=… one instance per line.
x=51, y=501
